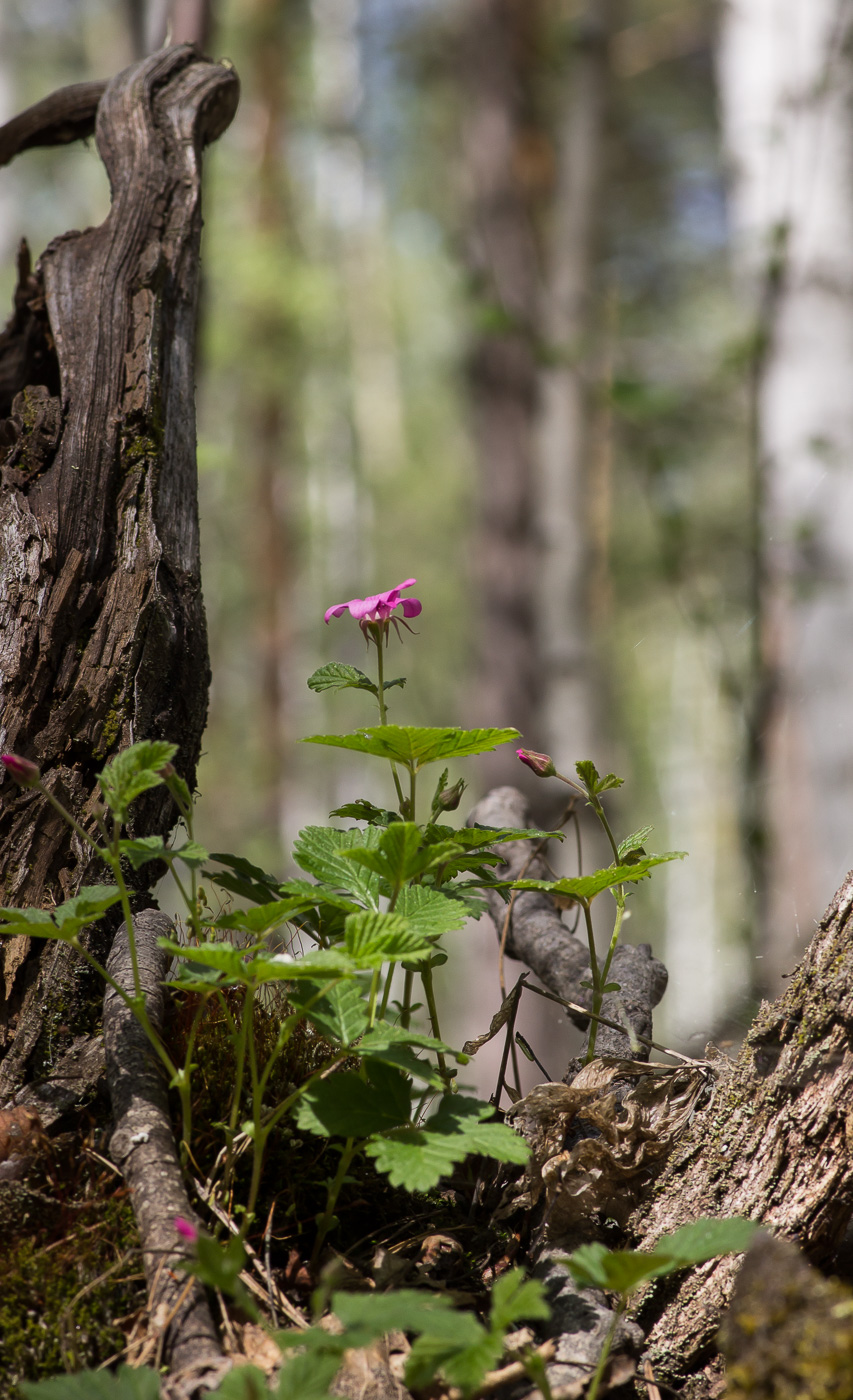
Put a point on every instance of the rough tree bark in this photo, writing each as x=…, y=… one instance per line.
x=102, y=632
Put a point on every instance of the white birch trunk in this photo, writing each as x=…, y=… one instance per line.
x=785, y=85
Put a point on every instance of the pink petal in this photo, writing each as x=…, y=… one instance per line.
x=411, y=607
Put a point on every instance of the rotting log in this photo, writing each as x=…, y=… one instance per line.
x=102, y=630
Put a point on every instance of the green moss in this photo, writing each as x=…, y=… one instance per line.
x=69, y=1283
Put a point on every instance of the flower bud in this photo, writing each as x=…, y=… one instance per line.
x=539, y=763
x=186, y=1229
x=25, y=773
x=449, y=799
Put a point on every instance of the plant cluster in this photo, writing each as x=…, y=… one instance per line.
x=344, y=949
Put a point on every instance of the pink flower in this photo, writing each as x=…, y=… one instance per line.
x=540, y=763
x=25, y=773
x=186, y=1229
x=379, y=607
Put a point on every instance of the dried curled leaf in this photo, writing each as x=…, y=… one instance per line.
x=593, y=1145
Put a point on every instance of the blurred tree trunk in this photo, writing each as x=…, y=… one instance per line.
x=535, y=168
x=270, y=392
x=785, y=80
x=569, y=709
x=501, y=44
x=102, y=631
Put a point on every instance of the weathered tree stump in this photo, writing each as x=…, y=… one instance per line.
x=102, y=630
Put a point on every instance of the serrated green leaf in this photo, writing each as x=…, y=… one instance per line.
x=417, y=1158
x=320, y=851
x=337, y=676
x=146, y=848
x=288, y=967
x=65, y=920
x=127, y=1383
x=245, y=879
x=191, y=853
x=588, y=773
x=586, y=887
x=415, y=747
x=226, y=957
x=372, y=939
x=609, y=781
x=404, y=1310
x=706, y=1238
x=515, y=1298
x=396, y=857
x=133, y=772
x=264, y=917
x=308, y=1377
x=462, y=1361
x=318, y=895
x=384, y=1034
x=340, y=1014
x=623, y=1270
x=635, y=841
x=345, y=1105
x=363, y=811
x=243, y=1383
x=429, y=912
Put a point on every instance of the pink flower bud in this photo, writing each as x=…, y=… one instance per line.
x=539, y=763
x=186, y=1229
x=25, y=773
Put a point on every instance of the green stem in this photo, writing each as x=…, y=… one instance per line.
x=377, y=634
x=605, y=1351
x=386, y=992
x=334, y=1190
x=596, y=979
x=429, y=991
x=185, y=1077
x=374, y=992
x=406, y=1008
x=239, y=1037
x=614, y=937
x=66, y=816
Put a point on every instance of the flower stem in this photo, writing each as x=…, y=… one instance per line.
x=429, y=992
x=598, y=1374
x=377, y=632
x=324, y=1224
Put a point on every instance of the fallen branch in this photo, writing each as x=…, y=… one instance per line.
x=143, y=1145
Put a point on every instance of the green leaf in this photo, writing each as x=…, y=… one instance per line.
x=363, y=811
x=484, y=837
x=264, y=916
x=341, y=1014
x=397, y=856
x=127, y=1383
x=404, y=1310
x=462, y=1360
x=65, y=920
x=320, y=851
x=592, y=780
x=133, y=772
x=226, y=957
x=248, y=881
x=309, y=1376
x=514, y=1298
x=288, y=967
x=243, y=1383
x=634, y=842
x=146, y=848
x=415, y=747
x=622, y=1270
x=319, y=895
x=345, y=1105
x=417, y=1158
x=706, y=1238
x=384, y=1036
x=192, y=854
x=586, y=887
x=428, y=912
x=372, y=939
x=337, y=676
